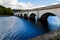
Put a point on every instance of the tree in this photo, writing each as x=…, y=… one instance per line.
x=2, y=10
x=5, y=11
x=9, y=11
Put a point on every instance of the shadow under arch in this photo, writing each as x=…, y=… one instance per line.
x=18, y=15
x=44, y=20
x=32, y=17
x=25, y=16
x=21, y=15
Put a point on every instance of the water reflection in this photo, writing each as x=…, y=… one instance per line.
x=14, y=28
x=53, y=22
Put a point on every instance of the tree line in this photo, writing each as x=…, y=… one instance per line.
x=5, y=11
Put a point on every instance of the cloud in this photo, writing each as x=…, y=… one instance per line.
x=14, y=4
x=39, y=6
x=9, y=3
x=55, y=3
x=25, y=5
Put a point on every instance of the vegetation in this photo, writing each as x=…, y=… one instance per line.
x=5, y=11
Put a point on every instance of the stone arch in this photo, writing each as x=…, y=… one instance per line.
x=32, y=15
x=46, y=15
x=25, y=16
x=18, y=15
x=44, y=20
x=21, y=15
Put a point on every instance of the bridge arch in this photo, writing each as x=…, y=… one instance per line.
x=18, y=15
x=21, y=15
x=25, y=16
x=32, y=16
x=45, y=16
x=44, y=20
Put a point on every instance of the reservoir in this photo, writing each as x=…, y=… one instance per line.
x=15, y=28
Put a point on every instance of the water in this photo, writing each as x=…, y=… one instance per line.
x=54, y=22
x=14, y=28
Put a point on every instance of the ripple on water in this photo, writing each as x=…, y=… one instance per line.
x=14, y=28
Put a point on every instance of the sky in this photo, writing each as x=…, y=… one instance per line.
x=28, y=4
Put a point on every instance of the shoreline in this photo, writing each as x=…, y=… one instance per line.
x=53, y=35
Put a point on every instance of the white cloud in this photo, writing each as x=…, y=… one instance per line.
x=14, y=4
x=55, y=3
x=39, y=6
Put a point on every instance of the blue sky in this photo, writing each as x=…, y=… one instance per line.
x=40, y=2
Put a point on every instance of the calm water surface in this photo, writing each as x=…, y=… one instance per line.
x=14, y=28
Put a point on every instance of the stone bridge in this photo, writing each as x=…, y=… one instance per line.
x=39, y=13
